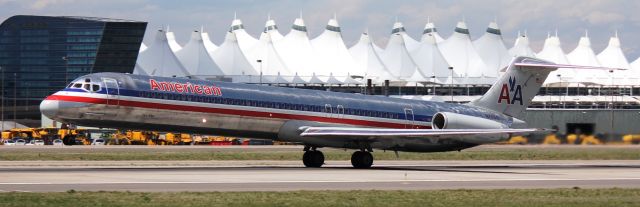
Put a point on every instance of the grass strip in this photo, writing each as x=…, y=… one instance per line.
x=500, y=197
x=330, y=154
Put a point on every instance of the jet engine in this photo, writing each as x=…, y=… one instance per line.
x=448, y=120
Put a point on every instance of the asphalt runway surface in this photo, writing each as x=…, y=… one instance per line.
x=152, y=176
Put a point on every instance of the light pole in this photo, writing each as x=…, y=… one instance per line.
x=433, y=84
x=451, y=85
x=2, y=104
x=560, y=78
x=15, y=98
x=611, y=104
x=260, y=62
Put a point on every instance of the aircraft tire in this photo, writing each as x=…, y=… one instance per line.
x=69, y=140
x=361, y=160
x=313, y=159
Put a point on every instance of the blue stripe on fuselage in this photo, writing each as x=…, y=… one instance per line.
x=298, y=99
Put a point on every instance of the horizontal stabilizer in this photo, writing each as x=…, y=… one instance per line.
x=376, y=132
x=554, y=66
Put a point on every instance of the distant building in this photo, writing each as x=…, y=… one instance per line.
x=39, y=55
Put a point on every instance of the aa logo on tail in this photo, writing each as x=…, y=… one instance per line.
x=511, y=92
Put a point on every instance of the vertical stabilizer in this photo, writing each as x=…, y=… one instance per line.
x=513, y=92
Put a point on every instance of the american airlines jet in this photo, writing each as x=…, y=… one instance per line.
x=311, y=118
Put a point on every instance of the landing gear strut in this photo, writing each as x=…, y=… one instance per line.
x=313, y=158
x=361, y=159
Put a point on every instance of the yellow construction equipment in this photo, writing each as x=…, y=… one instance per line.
x=178, y=138
x=631, y=139
x=590, y=140
x=551, y=139
x=142, y=137
x=45, y=134
x=572, y=138
x=74, y=136
x=518, y=140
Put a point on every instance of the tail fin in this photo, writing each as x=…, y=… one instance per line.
x=513, y=92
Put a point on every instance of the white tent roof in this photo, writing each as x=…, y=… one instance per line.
x=171, y=39
x=430, y=28
x=634, y=73
x=159, y=60
x=491, y=49
x=366, y=57
x=245, y=41
x=552, y=51
x=460, y=53
x=208, y=44
x=231, y=59
x=272, y=29
x=521, y=47
x=612, y=56
x=137, y=69
x=411, y=44
x=143, y=47
x=396, y=55
x=332, y=55
x=584, y=55
x=297, y=53
x=636, y=64
x=271, y=62
x=196, y=59
x=430, y=60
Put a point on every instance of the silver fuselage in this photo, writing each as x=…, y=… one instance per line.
x=126, y=101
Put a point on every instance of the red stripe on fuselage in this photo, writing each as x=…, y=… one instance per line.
x=237, y=112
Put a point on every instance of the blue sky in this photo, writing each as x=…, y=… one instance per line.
x=538, y=17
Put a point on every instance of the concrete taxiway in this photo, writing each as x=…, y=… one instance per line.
x=46, y=176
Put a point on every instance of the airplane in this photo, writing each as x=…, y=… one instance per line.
x=312, y=118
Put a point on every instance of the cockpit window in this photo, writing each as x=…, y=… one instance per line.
x=96, y=87
x=77, y=85
x=87, y=86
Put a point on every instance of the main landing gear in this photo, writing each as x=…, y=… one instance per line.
x=313, y=158
x=362, y=159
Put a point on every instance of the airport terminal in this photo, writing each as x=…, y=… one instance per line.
x=287, y=118
x=43, y=54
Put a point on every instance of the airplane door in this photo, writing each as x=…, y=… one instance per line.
x=113, y=92
x=328, y=110
x=408, y=115
x=340, y=111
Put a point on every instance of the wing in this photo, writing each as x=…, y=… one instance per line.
x=477, y=136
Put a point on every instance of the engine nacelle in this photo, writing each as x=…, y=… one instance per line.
x=448, y=120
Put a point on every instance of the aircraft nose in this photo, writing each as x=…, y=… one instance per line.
x=50, y=108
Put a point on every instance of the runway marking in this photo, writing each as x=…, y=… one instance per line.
x=321, y=181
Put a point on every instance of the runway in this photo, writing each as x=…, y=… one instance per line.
x=152, y=176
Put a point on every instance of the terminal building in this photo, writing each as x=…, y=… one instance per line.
x=47, y=52
x=454, y=69
x=39, y=55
